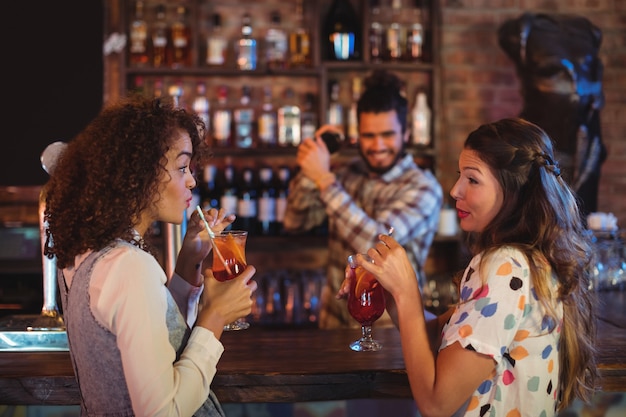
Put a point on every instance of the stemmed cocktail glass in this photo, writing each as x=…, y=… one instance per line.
x=366, y=303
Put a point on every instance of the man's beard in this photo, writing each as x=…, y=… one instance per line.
x=382, y=170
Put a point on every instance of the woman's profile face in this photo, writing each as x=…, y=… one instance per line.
x=477, y=192
x=177, y=181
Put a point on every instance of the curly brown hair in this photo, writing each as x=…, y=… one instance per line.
x=109, y=174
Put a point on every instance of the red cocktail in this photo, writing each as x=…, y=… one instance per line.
x=366, y=303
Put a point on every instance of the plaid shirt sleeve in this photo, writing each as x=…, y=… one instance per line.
x=304, y=210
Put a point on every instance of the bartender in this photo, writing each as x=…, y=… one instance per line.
x=381, y=189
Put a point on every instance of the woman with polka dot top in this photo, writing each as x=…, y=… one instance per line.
x=520, y=341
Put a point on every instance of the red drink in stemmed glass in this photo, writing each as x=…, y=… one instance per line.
x=366, y=303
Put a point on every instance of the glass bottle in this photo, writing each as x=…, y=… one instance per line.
x=210, y=193
x=335, y=109
x=217, y=44
x=229, y=199
x=309, y=117
x=222, y=120
x=247, y=203
x=276, y=43
x=414, y=36
x=282, y=192
x=158, y=88
x=139, y=86
x=267, y=131
x=138, y=52
x=159, y=38
x=246, y=46
x=243, y=120
x=176, y=91
x=267, y=202
x=420, y=120
x=376, y=33
x=394, y=34
x=289, y=121
x=342, y=32
x=414, y=42
x=201, y=105
x=180, y=36
x=299, y=41
x=353, y=122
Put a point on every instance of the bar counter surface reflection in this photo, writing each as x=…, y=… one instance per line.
x=294, y=365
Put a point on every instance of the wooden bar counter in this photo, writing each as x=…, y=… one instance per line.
x=293, y=365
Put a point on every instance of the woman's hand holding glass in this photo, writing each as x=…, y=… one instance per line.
x=197, y=245
x=392, y=268
x=225, y=302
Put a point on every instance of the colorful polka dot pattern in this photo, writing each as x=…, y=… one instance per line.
x=500, y=316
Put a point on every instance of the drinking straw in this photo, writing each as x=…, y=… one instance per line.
x=212, y=237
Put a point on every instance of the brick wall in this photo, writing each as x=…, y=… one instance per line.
x=479, y=83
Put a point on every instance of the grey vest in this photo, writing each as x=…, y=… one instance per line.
x=102, y=384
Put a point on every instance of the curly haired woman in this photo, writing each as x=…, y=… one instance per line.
x=128, y=324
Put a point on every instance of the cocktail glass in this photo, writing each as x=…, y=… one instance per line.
x=366, y=303
x=229, y=260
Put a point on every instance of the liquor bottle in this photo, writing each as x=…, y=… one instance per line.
x=217, y=44
x=176, y=91
x=289, y=121
x=229, y=199
x=420, y=120
x=394, y=33
x=282, y=192
x=158, y=88
x=414, y=42
x=309, y=117
x=414, y=35
x=222, y=120
x=159, y=38
x=180, y=40
x=247, y=203
x=299, y=41
x=243, y=120
x=201, y=105
x=138, y=52
x=275, y=43
x=423, y=10
x=267, y=120
x=353, y=123
x=210, y=193
x=246, y=46
x=376, y=33
x=342, y=32
x=335, y=109
x=267, y=202
x=139, y=86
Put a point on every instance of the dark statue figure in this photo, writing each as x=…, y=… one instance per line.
x=556, y=58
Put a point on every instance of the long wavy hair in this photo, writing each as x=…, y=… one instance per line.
x=540, y=215
x=110, y=173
